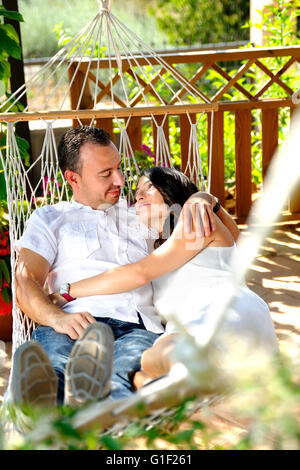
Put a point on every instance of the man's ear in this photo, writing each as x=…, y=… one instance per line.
x=72, y=178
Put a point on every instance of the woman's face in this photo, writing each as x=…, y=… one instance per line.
x=150, y=205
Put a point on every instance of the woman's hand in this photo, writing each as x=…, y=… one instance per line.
x=197, y=214
x=57, y=299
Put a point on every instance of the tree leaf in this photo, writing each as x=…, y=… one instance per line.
x=4, y=71
x=8, y=43
x=4, y=269
x=12, y=15
x=12, y=33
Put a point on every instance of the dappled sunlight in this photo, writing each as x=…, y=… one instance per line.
x=275, y=276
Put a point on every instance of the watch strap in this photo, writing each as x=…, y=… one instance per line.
x=64, y=292
x=216, y=206
x=67, y=297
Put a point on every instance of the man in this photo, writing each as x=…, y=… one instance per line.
x=70, y=241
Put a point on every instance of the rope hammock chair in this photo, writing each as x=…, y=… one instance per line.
x=134, y=74
x=82, y=59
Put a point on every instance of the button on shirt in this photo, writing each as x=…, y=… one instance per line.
x=80, y=242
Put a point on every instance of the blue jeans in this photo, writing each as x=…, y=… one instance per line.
x=131, y=340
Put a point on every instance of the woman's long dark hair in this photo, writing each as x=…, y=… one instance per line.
x=175, y=188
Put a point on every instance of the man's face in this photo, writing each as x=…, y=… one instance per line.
x=99, y=183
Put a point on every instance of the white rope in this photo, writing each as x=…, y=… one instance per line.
x=160, y=60
x=98, y=60
x=105, y=6
x=110, y=67
x=127, y=154
x=194, y=161
x=141, y=70
x=65, y=59
x=113, y=27
x=162, y=153
x=83, y=46
x=128, y=58
x=131, y=36
x=17, y=95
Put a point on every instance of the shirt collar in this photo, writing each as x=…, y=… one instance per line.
x=121, y=204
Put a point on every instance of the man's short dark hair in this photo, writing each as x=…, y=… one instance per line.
x=71, y=142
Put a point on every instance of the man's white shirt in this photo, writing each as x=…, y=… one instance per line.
x=80, y=242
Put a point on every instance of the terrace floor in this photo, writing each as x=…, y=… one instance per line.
x=275, y=276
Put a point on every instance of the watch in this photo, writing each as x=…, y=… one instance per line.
x=216, y=206
x=64, y=292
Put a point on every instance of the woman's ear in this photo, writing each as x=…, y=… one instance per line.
x=72, y=178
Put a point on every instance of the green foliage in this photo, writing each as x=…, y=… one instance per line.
x=187, y=22
x=279, y=23
x=9, y=46
x=64, y=36
x=265, y=397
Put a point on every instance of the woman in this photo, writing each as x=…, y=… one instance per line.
x=188, y=271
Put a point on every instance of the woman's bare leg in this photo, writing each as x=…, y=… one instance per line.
x=141, y=378
x=156, y=361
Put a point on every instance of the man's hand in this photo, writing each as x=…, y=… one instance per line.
x=198, y=212
x=72, y=324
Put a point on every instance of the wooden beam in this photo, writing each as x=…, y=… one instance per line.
x=202, y=57
x=267, y=103
x=118, y=112
x=232, y=81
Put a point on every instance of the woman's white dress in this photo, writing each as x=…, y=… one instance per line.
x=191, y=291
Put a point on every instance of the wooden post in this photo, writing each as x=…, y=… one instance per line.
x=107, y=125
x=269, y=136
x=134, y=131
x=75, y=92
x=243, y=162
x=294, y=199
x=217, y=177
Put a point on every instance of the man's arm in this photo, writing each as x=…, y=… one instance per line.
x=31, y=274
